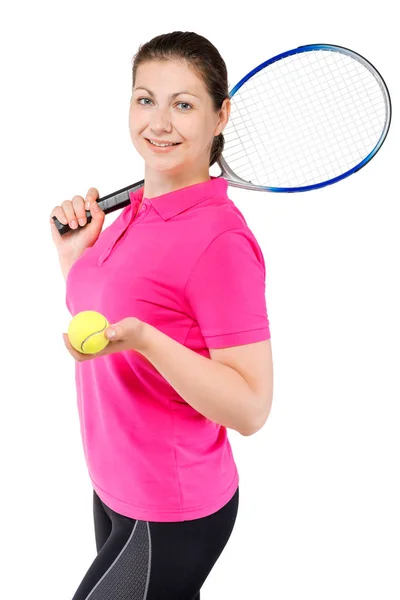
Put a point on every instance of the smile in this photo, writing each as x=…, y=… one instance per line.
x=162, y=145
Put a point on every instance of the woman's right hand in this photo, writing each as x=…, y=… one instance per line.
x=74, y=243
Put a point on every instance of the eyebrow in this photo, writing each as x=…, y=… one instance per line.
x=172, y=95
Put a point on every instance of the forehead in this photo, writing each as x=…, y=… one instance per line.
x=171, y=74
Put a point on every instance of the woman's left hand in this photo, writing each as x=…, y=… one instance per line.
x=128, y=336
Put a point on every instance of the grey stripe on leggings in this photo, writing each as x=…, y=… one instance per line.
x=133, y=562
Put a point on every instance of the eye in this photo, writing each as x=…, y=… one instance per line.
x=139, y=101
x=185, y=106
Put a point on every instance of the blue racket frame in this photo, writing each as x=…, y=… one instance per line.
x=335, y=48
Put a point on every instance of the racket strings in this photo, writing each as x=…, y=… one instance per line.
x=307, y=118
x=308, y=131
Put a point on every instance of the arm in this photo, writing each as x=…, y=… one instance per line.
x=216, y=390
x=66, y=264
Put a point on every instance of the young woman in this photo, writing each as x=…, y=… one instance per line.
x=181, y=278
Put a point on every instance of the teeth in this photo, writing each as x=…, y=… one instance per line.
x=161, y=145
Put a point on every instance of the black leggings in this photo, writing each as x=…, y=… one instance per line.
x=147, y=560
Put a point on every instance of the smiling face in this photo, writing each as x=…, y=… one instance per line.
x=171, y=105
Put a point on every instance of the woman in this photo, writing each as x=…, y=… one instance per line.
x=181, y=278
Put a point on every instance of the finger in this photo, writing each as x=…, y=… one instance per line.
x=98, y=215
x=79, y=209
x=69, y=211
x=91, y=196
x=59, y=214
x=74, y=353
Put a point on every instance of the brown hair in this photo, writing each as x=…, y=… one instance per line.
x=199, y=53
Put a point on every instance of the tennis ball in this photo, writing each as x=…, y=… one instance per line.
x=86, y=332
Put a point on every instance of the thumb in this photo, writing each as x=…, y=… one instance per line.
x=96, y=212
x=112, y=332
x=123, y=329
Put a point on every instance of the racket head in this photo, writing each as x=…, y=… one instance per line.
x=305, y=119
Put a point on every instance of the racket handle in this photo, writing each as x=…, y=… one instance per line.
x=108, y=204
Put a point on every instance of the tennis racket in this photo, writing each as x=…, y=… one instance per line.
x=301, y=120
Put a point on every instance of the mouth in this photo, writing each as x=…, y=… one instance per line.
x=158, y=144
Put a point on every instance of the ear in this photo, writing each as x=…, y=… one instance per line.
x=223, y=116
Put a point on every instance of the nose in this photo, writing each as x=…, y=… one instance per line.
x=160, y=120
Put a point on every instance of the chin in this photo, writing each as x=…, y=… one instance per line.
x=165, y=166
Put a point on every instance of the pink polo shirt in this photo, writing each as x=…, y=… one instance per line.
x=188, y=264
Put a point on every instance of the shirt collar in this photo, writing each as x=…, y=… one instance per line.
x=171, y=204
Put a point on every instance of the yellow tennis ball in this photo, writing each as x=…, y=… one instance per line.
x=86, y=332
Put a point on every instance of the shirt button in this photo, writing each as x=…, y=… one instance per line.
x=143, y=207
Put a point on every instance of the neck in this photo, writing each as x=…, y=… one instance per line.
x=158, y=183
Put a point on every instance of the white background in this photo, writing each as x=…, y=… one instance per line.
x=319, y=484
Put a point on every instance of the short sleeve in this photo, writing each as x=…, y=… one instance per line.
x=226, y=291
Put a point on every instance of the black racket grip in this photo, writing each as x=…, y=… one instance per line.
x=108, y=204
